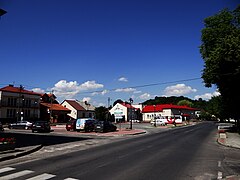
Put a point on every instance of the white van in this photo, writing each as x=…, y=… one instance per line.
x=85, y=124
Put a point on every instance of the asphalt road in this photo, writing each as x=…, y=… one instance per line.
x=182, y=153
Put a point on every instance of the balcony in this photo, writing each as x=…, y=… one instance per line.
x=18, y=105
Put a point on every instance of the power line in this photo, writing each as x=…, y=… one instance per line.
x=129, y=87
x=142, y=86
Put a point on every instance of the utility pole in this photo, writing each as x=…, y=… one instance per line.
x=131, y=101
x=21, y=100
x=51, y=100
x=109, y=101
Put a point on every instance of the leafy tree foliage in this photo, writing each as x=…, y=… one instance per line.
x=185, y=103
x=117, y=101
x=101, y=113
x=215, y=107
x=220, y=50
x=166, y=100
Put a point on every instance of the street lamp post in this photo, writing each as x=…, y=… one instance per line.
x=154, y=115
x=131, y=101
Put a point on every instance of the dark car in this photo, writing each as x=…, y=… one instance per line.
x=85, y=124
x=71, y=125
x=105, y=126
x=41, y=126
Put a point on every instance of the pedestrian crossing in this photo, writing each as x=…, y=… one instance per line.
x=9, y=173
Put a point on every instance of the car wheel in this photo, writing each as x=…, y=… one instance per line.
x=33, y=131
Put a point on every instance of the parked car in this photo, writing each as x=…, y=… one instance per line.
x=227, y=127
x=158, y=122
x=135, y=121
x=20, y=125
x=85, y=124
x=105, y=126
x=71, y=125
x=41, y=126
x=1, y=127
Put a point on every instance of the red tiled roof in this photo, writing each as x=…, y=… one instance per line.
x=55, y=107
x=75, y=105
x=128, y=106
x=18, y=90
x=160, y=107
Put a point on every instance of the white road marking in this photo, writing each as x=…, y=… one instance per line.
x=44, y=176
x=6, y=169
x=70, y=179
x=16, y=175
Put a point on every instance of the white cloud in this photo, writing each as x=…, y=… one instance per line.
x=90, y=85
x=145, y=96
x=125, y=90
x=101, y=93
x=137, y=92
x=178, y=90
x=38, y=90
x=207, y=96
x=123, y=79
x=97, y=104
x=87, y=99
x=70, y=89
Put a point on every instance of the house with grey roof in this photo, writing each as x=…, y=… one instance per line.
x=79, y=109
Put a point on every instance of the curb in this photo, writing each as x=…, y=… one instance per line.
x=222, y=141
x=119, y=135
x=16, y=155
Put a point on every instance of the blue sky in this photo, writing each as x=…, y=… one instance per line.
x=99, y=49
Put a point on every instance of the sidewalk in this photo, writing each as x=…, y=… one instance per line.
x=18, y=152
x=229, y=139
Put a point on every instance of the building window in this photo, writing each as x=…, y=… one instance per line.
x=11, y=113
x=12, y=101
x=26, y=113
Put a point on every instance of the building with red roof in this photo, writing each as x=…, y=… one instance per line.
x=17, y=103
x=167, y=110
x=55, y=112
x=125, y=112
x=51, y=110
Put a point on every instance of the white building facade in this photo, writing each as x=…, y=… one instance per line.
x=123, y=112
x=150, y=112
x=79, y=109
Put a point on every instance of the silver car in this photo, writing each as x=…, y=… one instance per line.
x=20, y=125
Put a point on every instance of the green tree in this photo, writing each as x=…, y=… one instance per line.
x=214, y=107
x=220, y=50
x=117, y=101
x=185, y=103
x=102, y=113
